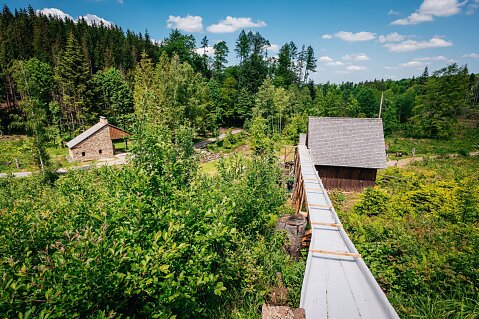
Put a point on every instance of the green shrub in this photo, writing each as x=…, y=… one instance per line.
x=131, y=243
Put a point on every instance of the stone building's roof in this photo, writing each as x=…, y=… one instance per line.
x=349, y=142
x=83, y=136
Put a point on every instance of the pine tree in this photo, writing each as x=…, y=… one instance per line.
x=243, y=46
x=310, y=63
x=219, y=60
x=73, y=78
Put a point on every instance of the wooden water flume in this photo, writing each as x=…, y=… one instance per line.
x=337, y=283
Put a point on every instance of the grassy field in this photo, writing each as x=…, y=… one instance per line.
x=464, y=141
x=17, y=148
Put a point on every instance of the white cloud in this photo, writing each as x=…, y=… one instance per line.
x=329, y=61
x=325, y=59
x=89, y=18
x=341, y=72
x=433, y=58
x=355, y=37
x=94, y=19
x=272, y=48
x=471, y=55
x=471, y=8
x=391, y=37
x=420, y=62
x=430, y=9
x=355, y=68
x=356, y=57
x=413, y=64
x=334, y=63
x=188, y=24
x=120, y=1
x=210, y=51
x=440, y=8
x=414, y=18
x=54, y=12
x=326, y=36
x=412, y=45
x=393, y=13
x=232, y=24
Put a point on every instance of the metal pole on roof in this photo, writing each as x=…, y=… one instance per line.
x=381, y=105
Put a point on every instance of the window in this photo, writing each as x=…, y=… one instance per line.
x=99, y=151
x=82, y=153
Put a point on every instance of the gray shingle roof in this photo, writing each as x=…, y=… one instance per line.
x=83, y=136
x=350, y=142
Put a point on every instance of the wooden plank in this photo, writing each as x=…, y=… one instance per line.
x=321, y=206
x=327, y=224
x=336, y=253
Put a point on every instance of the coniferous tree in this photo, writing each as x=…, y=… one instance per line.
x=73, y=78
x=243, y=46
x=310, y=63
x=220, y=57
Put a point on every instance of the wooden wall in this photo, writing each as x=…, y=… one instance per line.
x=346, y=178
x=116, y=134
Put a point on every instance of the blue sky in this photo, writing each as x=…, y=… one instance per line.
x=354, y=40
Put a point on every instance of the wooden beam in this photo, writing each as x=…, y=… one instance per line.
x=327, y=224
x=321, y=206
x=336, y=253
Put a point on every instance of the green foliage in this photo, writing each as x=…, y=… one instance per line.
x=464, y=139
x=34, y=78
x=171, y=93
x=112, y=244
x=443, y=97
x=73, y=77
x=417, y=231
x=116, y=98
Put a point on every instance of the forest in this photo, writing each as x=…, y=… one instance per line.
x=159, y=237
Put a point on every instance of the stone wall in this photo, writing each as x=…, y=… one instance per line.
x=90, y=148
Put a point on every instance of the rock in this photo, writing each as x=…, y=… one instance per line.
x=282, y=312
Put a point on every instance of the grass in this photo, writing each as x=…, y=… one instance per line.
x=16, y=148
x=464, y=140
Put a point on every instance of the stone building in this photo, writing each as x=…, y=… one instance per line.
x=96, y=142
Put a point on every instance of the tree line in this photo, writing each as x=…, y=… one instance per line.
x=59, y=75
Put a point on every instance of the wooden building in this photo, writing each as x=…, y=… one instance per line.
x=346, y=152
x=96, y=142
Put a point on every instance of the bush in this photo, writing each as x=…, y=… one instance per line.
x=417, y=232
x=113, y=243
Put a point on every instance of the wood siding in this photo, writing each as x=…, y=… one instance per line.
x=116, y=133
x=346, y=178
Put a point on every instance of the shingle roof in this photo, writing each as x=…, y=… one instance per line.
x=83, y=136
x=350, y=142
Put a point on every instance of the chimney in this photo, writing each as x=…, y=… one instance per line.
x=103, y=120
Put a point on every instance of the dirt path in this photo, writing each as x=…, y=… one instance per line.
x=118, y=159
